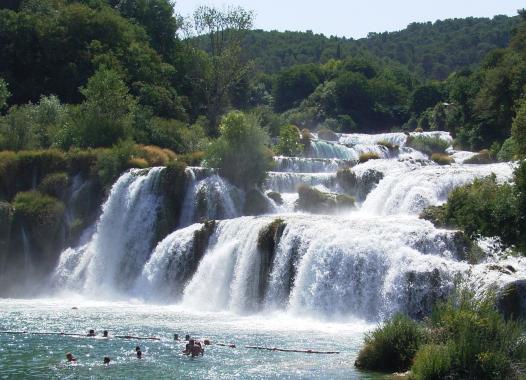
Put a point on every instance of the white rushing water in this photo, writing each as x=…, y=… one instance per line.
x=367, y=263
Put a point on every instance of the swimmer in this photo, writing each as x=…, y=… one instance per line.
x=91, y=333
x=107, y=360
x=137, y=348
x=139, y=354
x=105, y=334
x=187, y=337
x=70, y=358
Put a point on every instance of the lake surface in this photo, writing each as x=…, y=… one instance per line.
x=43, y=356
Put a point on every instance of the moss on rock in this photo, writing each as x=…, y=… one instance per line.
x=276, y=197
x=436, y=215
x=315, y=201
x=327, y=134
x=482, y=157
x=55, y=185
x=256, y=203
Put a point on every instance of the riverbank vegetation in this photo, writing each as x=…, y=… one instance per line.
x=464, y=338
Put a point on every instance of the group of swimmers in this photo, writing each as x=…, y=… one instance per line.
x=193, y=348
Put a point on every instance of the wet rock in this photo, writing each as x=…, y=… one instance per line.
x=256, y=203
x=327, y=134
x=268, y=241
x=276, y=197
x=318, y=202
x=511, y=300
x=436, y=215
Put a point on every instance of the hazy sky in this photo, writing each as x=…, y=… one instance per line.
x=356, y=18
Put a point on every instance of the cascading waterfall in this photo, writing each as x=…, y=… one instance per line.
x=123, y=239
x=370, y=262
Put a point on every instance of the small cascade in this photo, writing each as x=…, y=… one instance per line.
x=123, y=239
x=326, y=149
x=409, y=191
x=284, y=182
x=367, y=262
x=211, y=197
x=309, y=165
x=165, y=273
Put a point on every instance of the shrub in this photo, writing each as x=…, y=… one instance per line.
x=240, y=153
x=485, y=208
x=41, y=215
x=508, y=150
x=55, y=184
x=364, y=157
x=482, y=157
x=289, y=141
x=432, y=362
x=442, y=159
x=483, y=344
x=436, y=215
x=327, y=134
x=427, y=144
x=192, y=159
x=391, y=347
x=154, y=155
x=82, y=161
x=112, y=162
x=138, y=162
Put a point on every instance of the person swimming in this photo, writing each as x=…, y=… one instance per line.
x=91, y=333
x=107, y=360
x=139, y=354
x=105, y=334
x=137, y=348
x=70, y=358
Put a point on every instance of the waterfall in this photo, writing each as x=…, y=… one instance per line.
x=211, y=197
x=368, y=262
x=123, y=239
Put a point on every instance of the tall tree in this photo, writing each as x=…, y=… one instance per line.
x=225, y=29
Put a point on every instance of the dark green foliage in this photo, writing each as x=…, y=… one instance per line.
x=4, y=94
x=432, y=362
x=318, y=202
x=424, y=97
x=294, y=85
x=42, y=218
x=485, y=208
x=106, y=116
x=240, y=153
x=481, y=344
x=431, y=49
x=518, y=130
x=55, y=185
x=427, y=144
x=6, y=220
x=392, y=347
x=436, y=215
x=289, y=141
x=464, y=338
x=112, y=162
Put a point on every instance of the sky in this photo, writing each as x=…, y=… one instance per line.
x=351, y=18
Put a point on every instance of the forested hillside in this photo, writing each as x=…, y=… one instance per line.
x=433, y=50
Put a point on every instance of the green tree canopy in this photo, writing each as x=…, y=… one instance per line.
x=240, y=153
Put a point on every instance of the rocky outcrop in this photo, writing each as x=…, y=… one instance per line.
x=318, y=202
x=268, y=241
x=511, y=300
x=256, y=203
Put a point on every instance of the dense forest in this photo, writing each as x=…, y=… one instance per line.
x=122, y=76
x=433, y=50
